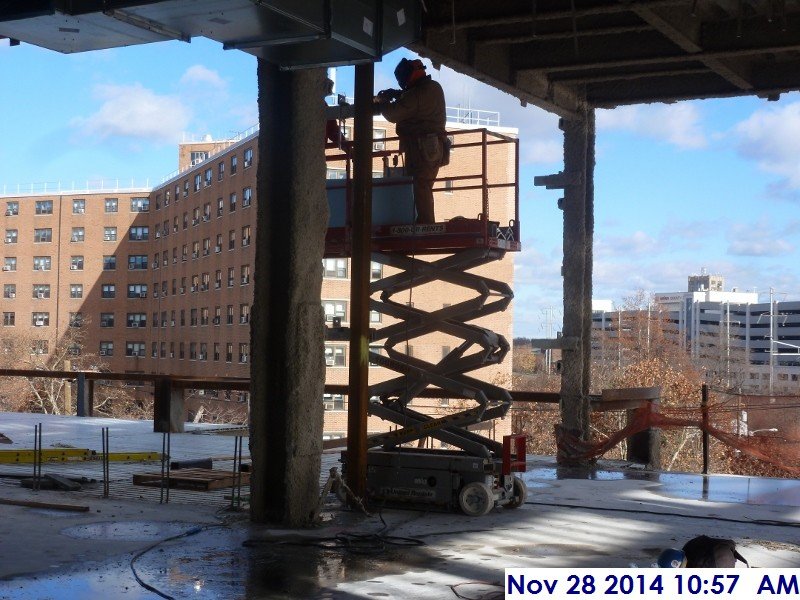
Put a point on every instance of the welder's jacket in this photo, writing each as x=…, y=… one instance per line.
x=419, y=112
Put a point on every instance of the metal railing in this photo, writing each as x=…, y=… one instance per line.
x=112, y=186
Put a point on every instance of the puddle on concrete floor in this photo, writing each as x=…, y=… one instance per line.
x=127, y=531
x=214, y=564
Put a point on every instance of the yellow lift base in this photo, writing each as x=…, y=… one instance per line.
x=74, y=454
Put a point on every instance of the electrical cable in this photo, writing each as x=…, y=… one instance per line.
x=138, y=555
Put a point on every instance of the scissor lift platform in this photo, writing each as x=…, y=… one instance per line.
x=474, y=473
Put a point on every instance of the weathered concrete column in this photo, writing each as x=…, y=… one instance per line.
x=287, y=373
x=577, y=272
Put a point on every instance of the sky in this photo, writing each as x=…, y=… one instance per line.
x=679, y=187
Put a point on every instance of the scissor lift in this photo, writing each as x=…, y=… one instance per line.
x=475, y=473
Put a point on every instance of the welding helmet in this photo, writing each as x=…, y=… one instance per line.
x=672, y=558
x=407, y=71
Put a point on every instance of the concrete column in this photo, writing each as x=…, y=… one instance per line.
x=287, y=373
x=577, y=272
x=169, y=409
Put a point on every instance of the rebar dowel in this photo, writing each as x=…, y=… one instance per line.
x=704, y=409
x=163, y=466
x=106, y=464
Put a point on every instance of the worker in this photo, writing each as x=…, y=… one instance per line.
x=333, y=131
x=418, y=110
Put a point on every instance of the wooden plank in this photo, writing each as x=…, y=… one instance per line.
x=191, y=479
x=45, y=505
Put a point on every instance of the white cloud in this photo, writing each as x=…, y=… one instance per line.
x=628, y=246
x=678, y=124
x=771, y=138
x=133, y=111
x=757, y=239
x=200, y=75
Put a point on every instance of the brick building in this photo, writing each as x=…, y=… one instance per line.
x=159, y=279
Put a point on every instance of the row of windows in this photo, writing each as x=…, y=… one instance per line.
x=201, y=317
x=337, y=268
x=111, y=205
x=196, y=351
x=205, y=179
x=205, y=216
x=203, y=247
x=78, y=234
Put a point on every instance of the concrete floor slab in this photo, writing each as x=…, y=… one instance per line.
x=612, y=516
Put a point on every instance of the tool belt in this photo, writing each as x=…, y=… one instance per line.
x=434, y=148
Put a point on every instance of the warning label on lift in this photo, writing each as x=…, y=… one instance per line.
x=401, y=492
x=417, y=229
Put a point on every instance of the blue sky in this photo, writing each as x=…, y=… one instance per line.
x=709, y=184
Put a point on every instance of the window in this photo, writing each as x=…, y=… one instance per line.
x=136, y=320
x=231, y=239
x=231, y=276
x=78, y=234
x=216, y=352
x=218, y=279
x=109, y=234
x=335, y=308
x=333, y=402
x=40, y=319
x=245, y=236
x=10, y=263
x=42, y=263
x=245, y=274
x=106, y=348
x=234, y=164
x=232, y=202
x=106, y=319
x=207, y=211
x=335, y=356
x=43, y=235
x=205, y=278
x=137, y=290
x=229, y=352
x=181, y=350
x=209, y=176
x=76, y=290
x=154, y=349
x=12, y=209
x=206, y=246
x=183, y=317
x=134, y=349
x=244, y=313
x=197, y=156
x=10, y=290
x=197, y=182
x=229, y=314
x=108, y=290
x=220, y=170
x=248, y=157
x=220, y=207
x=247, y=197
x=335, y=268
x=195, y=249
x=195, y=283
x=137, y=262
x=76, y=263
x=244, y=353
x=139, y=234
x=109, y=262
x=193, y=317
x=140, y=205
x=11, y=236
x=9, y=319
x=166, y=197
x=78, y=207
x=111, y=205
x=76, y=319
x=41, y=291
x=375, y=316
x=378, y=137
x=217, y=315
x=375, y=270
x=204, y=316
x=163, y=352
x=44, y=207
x=40, y=347
x=203, y=351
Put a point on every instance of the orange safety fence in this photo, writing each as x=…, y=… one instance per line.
x=722, y=421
